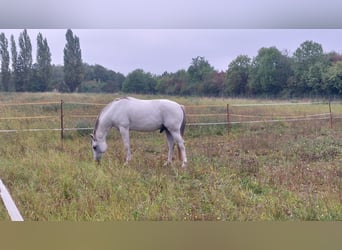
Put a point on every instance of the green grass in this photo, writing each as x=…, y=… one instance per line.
x=279, y=171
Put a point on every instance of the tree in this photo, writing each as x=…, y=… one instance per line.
x=214, y=84
x=100, y=79
x=237, y=75
x=73, y=66
x=270, y=71
x=199, y=73
x=14, y=55
x=334, y=57
x=306, y=56
x=57, y=78
x=199, y=68
x=43, y=66
x=172, y=83
x=140, y=82
x=114, y=82
x=308, y=53
x=314, y=77
x=333, y=79
x=100, y=73
x=5, y=61
x=24, y=62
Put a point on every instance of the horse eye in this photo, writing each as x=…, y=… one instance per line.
x=94, y=147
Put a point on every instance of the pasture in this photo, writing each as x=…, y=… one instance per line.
x=276, y=171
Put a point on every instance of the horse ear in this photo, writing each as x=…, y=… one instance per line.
x=92, y=137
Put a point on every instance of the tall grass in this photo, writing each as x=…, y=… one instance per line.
x=281, y=171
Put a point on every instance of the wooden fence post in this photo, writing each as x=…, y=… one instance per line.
x=228, y=119
x=331, y=118
x=62, y=120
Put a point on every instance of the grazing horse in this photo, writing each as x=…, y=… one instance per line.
x=129, y=113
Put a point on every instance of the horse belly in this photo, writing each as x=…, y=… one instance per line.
x=145, y=121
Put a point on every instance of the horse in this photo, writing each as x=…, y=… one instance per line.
x=128, y=113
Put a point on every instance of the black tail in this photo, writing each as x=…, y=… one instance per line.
x=182, y=128
x=162, y=128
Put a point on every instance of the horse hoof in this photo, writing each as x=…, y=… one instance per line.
x=166, y=164
x=184, y=165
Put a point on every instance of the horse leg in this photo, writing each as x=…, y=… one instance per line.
x=125, y=138
x=170, y=143
x=180, y=143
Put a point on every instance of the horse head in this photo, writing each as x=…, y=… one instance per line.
x=99, y=147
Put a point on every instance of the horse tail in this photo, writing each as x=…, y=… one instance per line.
x=182, y=128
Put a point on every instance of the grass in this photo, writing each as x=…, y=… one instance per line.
x=260, y=172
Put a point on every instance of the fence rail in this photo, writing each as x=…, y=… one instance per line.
x=198, y=115
x=225, y=116
x=12, y=209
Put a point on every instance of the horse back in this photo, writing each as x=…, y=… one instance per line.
x=147, y=115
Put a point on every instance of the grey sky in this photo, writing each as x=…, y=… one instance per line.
x=164, y=35
x=159, y=50
x=171, y=14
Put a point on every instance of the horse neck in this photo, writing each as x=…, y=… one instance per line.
x=104, y=122
x=102, y=129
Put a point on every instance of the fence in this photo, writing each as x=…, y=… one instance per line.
x=76, y=116
x=9, y=203
x=313, y=111
x=232, y=114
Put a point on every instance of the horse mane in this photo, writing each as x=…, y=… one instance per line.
x=105, y=108
x=96, y=125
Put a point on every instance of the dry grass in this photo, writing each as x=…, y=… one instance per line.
x=279, y=171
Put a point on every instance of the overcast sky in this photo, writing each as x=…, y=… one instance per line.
x=160, y=50
x=164, y=35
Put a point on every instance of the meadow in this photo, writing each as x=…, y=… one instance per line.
x=279, y=171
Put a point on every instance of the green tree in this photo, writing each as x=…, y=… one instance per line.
x=14, y=56
x=237, y=75
x=306, y=56
x=42, y=68
x=24, y=62
x=139, y=81
x=88, y=72
x=172, y=83
x=180, y=79
x=334, y=57
x=114, y=82
x=213, y=85
x=333, y=79
x=5, y=61
x=73, y=66
x=100, y=79
x=100, y=73
x=315, y=78
x=199, y=73
x=270, y=71
x=199, y=69
x=57, y=78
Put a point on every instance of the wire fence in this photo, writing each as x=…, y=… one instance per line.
x=80, y=116
x=286, y=112
x=77, y=116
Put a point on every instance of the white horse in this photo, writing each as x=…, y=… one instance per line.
x=129, y=113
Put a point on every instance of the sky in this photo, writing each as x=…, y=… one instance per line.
x=164, y=35
x=160, y=50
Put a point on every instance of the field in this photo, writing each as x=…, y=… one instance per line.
x=279, y=171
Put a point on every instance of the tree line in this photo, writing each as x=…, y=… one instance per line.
x=19, y=73
x=309, y=71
